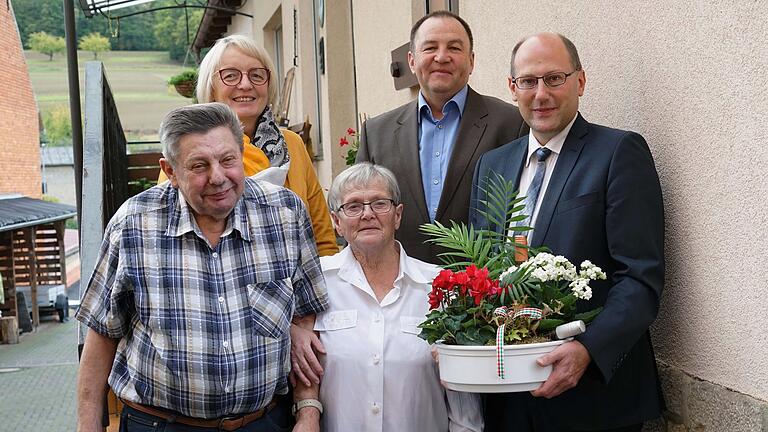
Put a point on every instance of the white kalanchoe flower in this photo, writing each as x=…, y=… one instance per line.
x=591, y=271
x=508, y=272
x=580, y=288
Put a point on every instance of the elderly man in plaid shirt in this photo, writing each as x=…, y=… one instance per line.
x=197, y=282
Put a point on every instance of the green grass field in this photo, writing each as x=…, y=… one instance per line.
x=138, y=80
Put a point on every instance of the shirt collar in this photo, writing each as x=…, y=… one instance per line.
x=350, y=270
x=181, y=220
x=555, y=144
x=459, y=99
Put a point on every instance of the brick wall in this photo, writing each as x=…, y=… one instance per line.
x=19, y=135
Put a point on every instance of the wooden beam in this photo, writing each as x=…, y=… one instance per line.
x=29, y=235
x=60, y=227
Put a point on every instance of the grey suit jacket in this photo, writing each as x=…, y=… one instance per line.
x=391, y=139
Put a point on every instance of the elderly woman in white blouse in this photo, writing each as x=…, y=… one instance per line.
x=378, y=374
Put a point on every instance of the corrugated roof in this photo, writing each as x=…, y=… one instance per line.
x=20, y=212
x=56, y=156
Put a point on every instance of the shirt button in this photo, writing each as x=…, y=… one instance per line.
x=375, y=409
x=227, y=389
x=439, y=126
x=225, y=344
x=376, y=318
x=376, y=359
x=435, y=181
x=215, y=255
x=437, y=154
x=221, y=299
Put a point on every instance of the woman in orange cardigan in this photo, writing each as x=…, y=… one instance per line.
x=238, y=72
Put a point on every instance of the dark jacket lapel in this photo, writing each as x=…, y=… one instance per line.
x=468, y=137
x=569, y=154
x=406, y=139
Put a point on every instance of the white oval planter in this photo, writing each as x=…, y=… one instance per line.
x=473, y=368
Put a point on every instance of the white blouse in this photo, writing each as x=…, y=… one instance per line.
x=367, y=341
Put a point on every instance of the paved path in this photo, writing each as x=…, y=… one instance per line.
x=37, y=380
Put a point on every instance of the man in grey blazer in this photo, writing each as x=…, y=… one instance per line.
x=433, y=143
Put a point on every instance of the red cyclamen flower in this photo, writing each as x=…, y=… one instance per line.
x=343, y=141
x=351, y=131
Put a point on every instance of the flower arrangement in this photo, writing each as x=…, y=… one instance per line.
x=494, y=288
x=353, y=145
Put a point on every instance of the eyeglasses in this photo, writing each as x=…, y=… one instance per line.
x=232, y=77
x=355, y=209
x=555, y=79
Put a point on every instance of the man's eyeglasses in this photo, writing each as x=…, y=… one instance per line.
x=555, y=79
x=355, y=209
x=232, y=77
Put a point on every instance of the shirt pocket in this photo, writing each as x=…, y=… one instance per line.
x=337, y=320
x=271, y=305
x=410, y=324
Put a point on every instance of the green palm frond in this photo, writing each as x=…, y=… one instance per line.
x=485, y=248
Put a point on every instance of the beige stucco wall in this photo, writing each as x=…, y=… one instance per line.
x=691, y=77
x=379, y=27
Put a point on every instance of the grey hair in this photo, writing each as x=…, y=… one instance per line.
x=210, y=66
x=573, y=53
x=360, y=175
x=196, y=119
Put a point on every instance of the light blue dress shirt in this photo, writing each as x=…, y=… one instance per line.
x=436, y=141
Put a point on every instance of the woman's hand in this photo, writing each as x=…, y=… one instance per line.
x=305, y=345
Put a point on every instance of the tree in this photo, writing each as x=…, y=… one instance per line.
x=44, y=43
x=95, y=43
x=58, y=126
x=172, y=32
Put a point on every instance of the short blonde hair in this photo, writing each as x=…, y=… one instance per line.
x=210, y=66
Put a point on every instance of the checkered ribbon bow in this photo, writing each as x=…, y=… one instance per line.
x=533, y=313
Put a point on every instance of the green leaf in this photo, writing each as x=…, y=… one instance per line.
x=588, y=316
x=549, y=324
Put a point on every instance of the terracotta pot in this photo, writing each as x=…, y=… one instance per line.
x=473, y=368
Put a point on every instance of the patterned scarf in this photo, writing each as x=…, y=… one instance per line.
x=270, y=140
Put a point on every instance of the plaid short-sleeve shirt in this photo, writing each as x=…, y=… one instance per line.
x=204, y=331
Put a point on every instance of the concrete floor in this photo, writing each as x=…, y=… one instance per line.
x=38, y=377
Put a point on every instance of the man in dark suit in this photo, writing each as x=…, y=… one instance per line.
x=433, y=143
x=599, y=198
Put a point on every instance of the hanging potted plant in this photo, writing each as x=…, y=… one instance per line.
x=185, y=82
x=498, y=305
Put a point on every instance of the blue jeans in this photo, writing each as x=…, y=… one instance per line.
x=279, y=419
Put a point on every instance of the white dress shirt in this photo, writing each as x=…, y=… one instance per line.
x=556, y=145
x=379, y=375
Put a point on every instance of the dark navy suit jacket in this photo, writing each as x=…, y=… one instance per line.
x=603, y=203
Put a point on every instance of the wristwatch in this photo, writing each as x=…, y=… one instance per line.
x=306, y=403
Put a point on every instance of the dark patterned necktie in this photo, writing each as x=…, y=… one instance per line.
x=542, y=153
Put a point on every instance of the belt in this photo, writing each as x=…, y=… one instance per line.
x=229, y=423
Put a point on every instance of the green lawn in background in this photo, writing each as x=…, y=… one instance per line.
x=138, y=80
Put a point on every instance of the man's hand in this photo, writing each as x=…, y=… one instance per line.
x=307, y=420
x=304, y=345
x=569, y=362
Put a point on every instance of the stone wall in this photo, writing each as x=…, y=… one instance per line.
x=695, y=405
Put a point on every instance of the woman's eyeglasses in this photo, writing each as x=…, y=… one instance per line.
x=232, y=77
